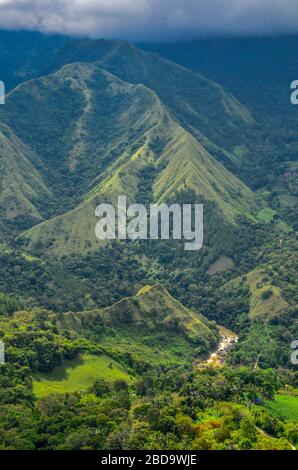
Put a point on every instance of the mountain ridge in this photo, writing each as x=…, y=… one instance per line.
x=107, y=134
x=177, y=149
x=153, y=309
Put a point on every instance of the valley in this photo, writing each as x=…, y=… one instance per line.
x=141, y=344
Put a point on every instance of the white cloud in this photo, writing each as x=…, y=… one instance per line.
x=150, y=19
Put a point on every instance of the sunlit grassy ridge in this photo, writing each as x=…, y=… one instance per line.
x=123, y=110
x=143, y=133
x=197, y=102
x=152, y=327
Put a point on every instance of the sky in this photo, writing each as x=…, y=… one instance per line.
x=151, y=20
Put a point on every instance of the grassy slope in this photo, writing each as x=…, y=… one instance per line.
x=149, y=329
x=22, y=188
x=199, y=104
x=101, y=118
x=189, y=165
x=78, y=374
x=173, y=312
x=284, y=406
x=179, y=159
x=266, y=300
x=266, y=215
x=220, y=265
x=111, y=127
x=151, y=326
x=260, y=306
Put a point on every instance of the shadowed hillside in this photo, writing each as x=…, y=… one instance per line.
x=144, y=136
x=113, y=137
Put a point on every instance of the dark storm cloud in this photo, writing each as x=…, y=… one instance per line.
x=151, y=19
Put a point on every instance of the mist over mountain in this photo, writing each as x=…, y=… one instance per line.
x=150, y=20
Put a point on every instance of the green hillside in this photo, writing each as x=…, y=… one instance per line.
x=284, y=406
x=78, y=375
x=266, y=300
x=22, y=187
x=136, y=131
x=194, y=100
x=152, y=324
x=70, y=351
x=271, y=292
x=101, y=119
x=262, y=304
x=111, y=345
x=148, y=108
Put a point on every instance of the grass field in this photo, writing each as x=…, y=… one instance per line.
x=266, y=215
x=78, y=374
x=284, y=406
x=221, y=264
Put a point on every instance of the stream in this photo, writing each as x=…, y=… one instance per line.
x=228, y=339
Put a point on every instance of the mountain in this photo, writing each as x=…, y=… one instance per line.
x=155, y=139
x=258, y=71
x=151, y=311
x=112, y=345
x=149, y=328
x=266, y=66
x=201, y=106
x=116, y=137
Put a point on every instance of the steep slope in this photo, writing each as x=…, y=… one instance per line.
x=187, y=164
x=22, y=189
x=152, y=311
x=101, y=119
x=258, y=71
x=202, y=106
x=143, y=140
x=146, y=137
x=272, y=285
x=150, y=328
x=266, y=301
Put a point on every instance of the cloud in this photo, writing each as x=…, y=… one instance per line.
x=151, y=19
